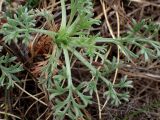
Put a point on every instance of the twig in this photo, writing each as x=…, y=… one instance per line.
x=24, y=86
x=29, y=94
x=107, y=21
x=31, y=107
x=9, y=114
x=99, y=105
x=42, y=114
x=118, y=54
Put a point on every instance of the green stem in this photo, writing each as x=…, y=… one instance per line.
x=71, y=28
x=84, y=61
x=106, y=40
x=73, y=12
x=105, y=80
x=64, y=16
x=101, y=40
x=68, y=67
x=46, y=32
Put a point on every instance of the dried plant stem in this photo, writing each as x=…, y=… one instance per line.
x=118, y=54
x=29, y=94
x=99, y=105
x=107, y=21
x=9, y=114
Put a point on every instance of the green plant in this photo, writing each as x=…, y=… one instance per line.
x=74, y=34
x=8, y=70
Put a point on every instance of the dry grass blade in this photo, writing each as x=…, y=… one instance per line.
x=32, y=96
x=9, y=114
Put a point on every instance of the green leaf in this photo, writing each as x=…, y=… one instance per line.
x=7, y=77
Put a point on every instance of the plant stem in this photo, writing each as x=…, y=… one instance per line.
x=73, y=26
x=73, y=12
x=68, y=67
x=84, y=61
x=106, y=40
x=64, y=17
x=46, y=32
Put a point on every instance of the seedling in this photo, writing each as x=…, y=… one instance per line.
x=73, y=35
